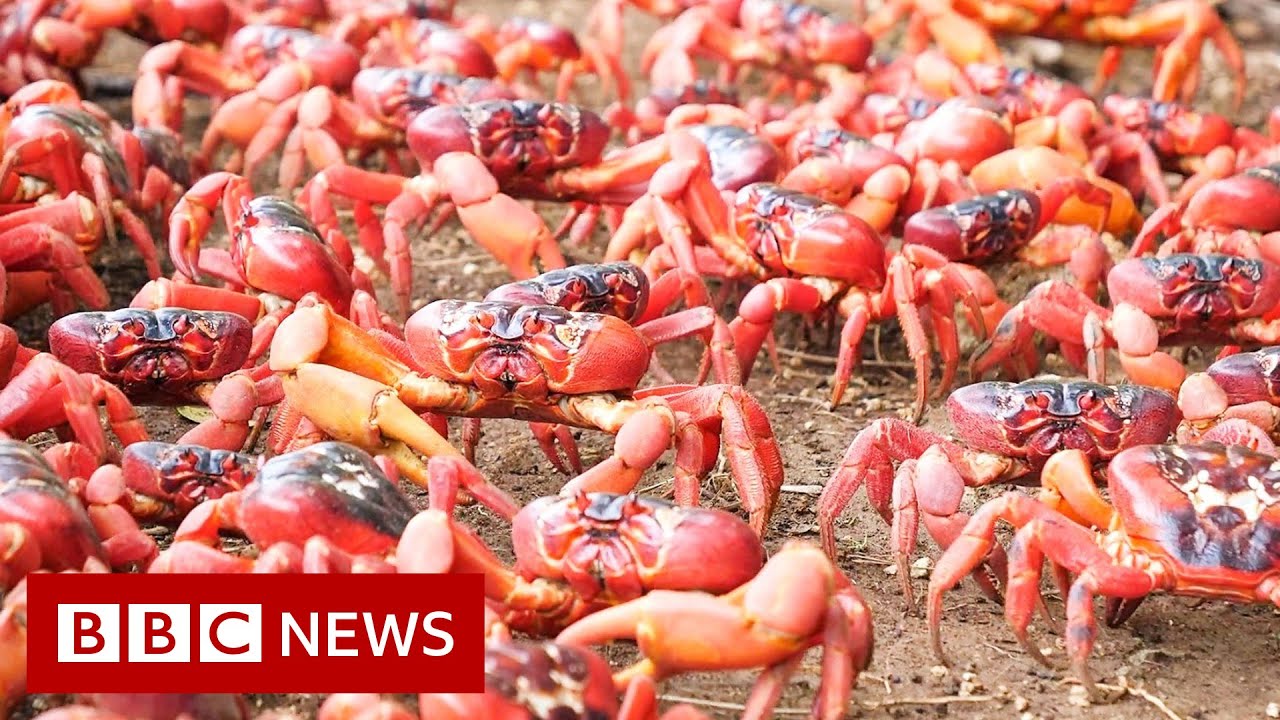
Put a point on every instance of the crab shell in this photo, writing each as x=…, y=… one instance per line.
x=527, y=680
x=1202, y=292
x=396, y=94
x=620, y=289
x=153, y=355
x=514, y=137
x=168, y=480
x=978, y=228
x=738, y=156
x=1247, y=200
x=1036, y=418
x=33, y=496
x=797, y=234
x=1206, y=515
x=529, y=351
x=627, y=545
x=329, y=489
x=1251, y=376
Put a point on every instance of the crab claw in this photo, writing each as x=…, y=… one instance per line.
x=798, y=600
x=367, y=414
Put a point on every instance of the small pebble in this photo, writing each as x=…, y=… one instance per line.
x=470, y=268
x=920, y=568
x=939, y=671
x=1020, y=703
x=1273, y=710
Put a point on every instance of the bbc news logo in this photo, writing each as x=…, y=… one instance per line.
x=300, y=633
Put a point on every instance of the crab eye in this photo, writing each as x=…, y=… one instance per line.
x=182, y=324
x=1088, y=401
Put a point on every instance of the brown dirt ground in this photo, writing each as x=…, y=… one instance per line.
x=1191, y=659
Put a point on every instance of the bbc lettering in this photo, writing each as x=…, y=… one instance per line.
x=300, y=633
x=159, y=633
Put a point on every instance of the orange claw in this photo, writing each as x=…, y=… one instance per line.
x=798, y=600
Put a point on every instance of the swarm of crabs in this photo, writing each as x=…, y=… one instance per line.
x=241, y=241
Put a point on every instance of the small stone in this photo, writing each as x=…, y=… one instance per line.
x=1273, y=710
x=920, y=568
x=939, y=671
x=470, y=268
x=808, y=425
x=890, y=570
x=1078, y=696
x=1020, y=703
x=969, y=684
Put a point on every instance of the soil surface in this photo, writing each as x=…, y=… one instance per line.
x=1177, y=657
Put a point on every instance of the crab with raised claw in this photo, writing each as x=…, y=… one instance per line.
x=798, y=600
x=1193, y=520
x=274, y=248
x=174, y=356
x=1004, y=434
x=531, y=362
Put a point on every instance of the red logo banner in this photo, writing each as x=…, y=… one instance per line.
x=211, y=633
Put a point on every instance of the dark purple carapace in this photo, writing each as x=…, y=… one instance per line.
x=1249, y=377
x=330, y=489
x=1213, y=508
x=978, y=228
x=155, y=356
x=620, y=289
x=168, y=479
x=1036, y=418
x=738, y=157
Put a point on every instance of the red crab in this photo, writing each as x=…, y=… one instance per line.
x=1178, y=28
x=798, y=601
x=162, y=482
x=259, y=67
x=46, y=39
x=809, y=255
x=45, y=526
x=330, y=492
x=321, y=125
x=576, y=554
x=1004, y=434
x=1146, y=136
x=1244, y=386
x=981, y=228
x=51, y=136
x=799, y=41
x=42, y=394
x=1192, y=520
x=173, y=356
x=274, y=247
x=522, y=679
x=532, y=362
x=649, y=116
x=1211, y=282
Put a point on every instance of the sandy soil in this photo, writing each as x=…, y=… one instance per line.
x=1183, y=658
